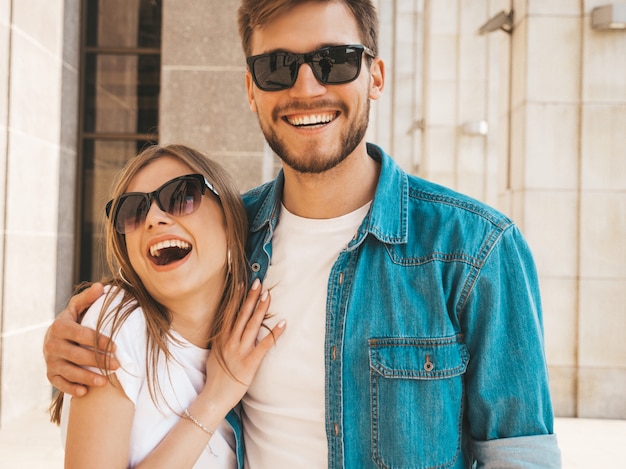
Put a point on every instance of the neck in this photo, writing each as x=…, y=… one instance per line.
x=333, y=193
x=192, y=316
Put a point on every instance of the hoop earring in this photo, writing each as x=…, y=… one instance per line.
x=229, y=263
x=119, y=271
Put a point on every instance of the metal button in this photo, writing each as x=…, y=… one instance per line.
x=428, y=366
x=255, y=267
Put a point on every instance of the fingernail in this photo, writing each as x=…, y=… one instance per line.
x=264, y=295
x=281, y=324
x=256, y=284
x=99, y=381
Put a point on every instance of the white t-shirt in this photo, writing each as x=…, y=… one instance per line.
x=283, y=411
x=181, y=379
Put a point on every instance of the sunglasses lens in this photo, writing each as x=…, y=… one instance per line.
x=337, y=64
x=131, y=212
x=275, y=71
x=181, y=197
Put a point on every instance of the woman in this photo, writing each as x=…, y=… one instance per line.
x=175, y=309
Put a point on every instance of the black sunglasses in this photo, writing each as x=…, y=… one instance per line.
x=332, y=65
x=179, y=196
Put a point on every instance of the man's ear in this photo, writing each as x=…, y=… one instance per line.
x=377, y=78
x=250, y=90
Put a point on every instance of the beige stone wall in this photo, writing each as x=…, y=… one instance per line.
x=38, y=92
x=203, y=94
x=553, y=95
x=569, y=194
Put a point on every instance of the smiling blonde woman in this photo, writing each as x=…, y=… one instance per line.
x=184, y=333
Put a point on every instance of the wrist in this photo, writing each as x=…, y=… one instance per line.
x=207, y=411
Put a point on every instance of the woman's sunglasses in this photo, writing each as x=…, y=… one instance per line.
x=332, y=65
x=179, y=196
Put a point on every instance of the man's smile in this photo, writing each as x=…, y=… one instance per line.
x=311, y=119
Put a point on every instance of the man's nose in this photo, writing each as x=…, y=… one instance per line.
x=306, y=84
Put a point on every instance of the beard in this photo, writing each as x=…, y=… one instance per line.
x=312, y=160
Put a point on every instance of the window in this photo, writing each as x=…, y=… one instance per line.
x=120, y=84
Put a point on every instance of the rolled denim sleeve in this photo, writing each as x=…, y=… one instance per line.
x=525, y=452
x=509, y=408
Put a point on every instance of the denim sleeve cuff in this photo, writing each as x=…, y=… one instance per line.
x=525, y=452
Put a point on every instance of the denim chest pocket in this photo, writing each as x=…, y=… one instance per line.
x=416, y=393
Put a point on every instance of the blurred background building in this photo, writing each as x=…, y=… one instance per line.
x=519, y=103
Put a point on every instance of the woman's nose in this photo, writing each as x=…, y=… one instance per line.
x=156, y=216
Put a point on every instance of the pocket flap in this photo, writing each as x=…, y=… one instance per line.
x=418, y=358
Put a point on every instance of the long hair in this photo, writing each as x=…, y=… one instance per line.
x=123, y=278
x=254, y=14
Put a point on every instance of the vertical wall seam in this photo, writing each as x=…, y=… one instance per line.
x=394, y=79
x=577, y=280
x=5, y=194
x=424, y=169
x=457, y=97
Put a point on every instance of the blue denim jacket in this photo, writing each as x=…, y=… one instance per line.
x=434, y=340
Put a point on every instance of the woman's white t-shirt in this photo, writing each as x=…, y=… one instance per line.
x=180, y=379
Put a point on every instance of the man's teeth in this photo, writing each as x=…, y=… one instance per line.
x=311, y=119
x=155, y=249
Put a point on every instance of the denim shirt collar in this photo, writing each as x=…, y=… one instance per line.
x=387, y=217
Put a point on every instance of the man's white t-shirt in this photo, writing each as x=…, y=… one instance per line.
x=283, y=411
x=180, y=379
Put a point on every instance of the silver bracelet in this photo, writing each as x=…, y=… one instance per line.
x=198, y=423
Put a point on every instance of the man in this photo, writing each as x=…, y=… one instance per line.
x=415, y=336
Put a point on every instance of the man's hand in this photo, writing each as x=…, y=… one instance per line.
x=63, y=347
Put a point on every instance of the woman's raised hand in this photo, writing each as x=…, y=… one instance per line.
x=242, y=353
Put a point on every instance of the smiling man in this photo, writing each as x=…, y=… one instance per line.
x=415, y=327
x=410, y=307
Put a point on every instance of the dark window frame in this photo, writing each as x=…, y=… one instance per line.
x=87, y=232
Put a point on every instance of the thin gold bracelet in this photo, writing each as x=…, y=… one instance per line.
x=197, y=422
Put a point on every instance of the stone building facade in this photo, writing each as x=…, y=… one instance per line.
x=530, y=118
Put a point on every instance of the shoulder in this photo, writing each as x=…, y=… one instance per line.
x=254, y=197
x=115, y=309
x=436, y=198
x=426, y=199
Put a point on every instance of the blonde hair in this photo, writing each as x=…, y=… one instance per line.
x=123, y=277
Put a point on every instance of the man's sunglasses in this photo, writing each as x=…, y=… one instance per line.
x=332, y=65
x=179, y=196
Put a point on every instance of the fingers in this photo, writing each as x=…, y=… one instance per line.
x=60, y=349
x=65, y=386
x=64, y=334
x=80, y=302
x=70, y=377
x=68, y=346
x=247, y=308
x=243, y=345
x=270, y=339
x=254, y=323
x=65, y=361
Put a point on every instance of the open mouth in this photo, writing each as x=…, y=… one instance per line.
x=168, y=251
x=311, y=120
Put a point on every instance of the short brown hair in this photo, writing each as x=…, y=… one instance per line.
x=253, y=14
